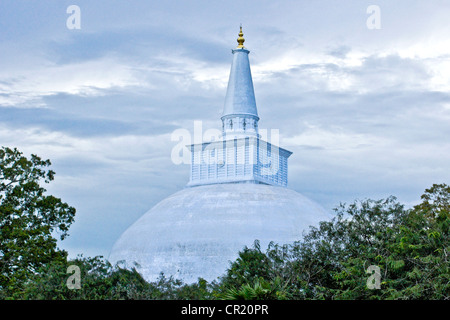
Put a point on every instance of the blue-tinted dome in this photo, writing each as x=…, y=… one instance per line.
x=197, y=231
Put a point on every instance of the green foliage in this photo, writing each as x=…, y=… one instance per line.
x=99, y=280
x=170, y=289
x=412, y=255
x=28, y=217
x=260, y=290
x=409, y=246
x=102, y=281
x=252, y=264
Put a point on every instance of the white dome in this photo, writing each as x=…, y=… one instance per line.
x=197, y=231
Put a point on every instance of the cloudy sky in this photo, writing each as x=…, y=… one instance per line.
x=365, y=111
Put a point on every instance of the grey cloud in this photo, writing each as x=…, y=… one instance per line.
x=340, y=51
x=139, y=44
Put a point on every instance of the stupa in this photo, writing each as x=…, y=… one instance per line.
x=237, y=193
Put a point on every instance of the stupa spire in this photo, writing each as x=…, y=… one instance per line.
x=240, y=116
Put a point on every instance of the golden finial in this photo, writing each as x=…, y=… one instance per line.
x=241, y=39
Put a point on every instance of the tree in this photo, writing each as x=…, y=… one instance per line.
x=99, y=280
x=28, y=220
x=252, y=264
x=260, y=289
x=409, y=246
x=412, y=254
